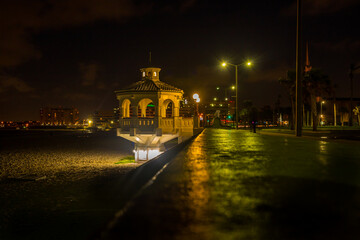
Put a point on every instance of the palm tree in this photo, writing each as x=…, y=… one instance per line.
x=356, y=111
x=317, y=84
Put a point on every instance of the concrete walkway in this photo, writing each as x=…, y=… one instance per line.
x=324, y=133
x=230, y=184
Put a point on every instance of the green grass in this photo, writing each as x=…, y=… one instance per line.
x=127, y=159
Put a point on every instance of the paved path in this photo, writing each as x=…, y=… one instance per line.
x=230, y=184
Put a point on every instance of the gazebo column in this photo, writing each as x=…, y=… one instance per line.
x=134, y=117
x=143, y=107
x=176, y=113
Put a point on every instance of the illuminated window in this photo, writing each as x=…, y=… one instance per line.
x=154, y=74
x=143, y=74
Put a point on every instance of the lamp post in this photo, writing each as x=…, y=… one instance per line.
x=321, y=114
x=248, y=64
x=197, y=100
x=298, y=102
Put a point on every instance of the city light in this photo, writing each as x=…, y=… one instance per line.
x=195, y=96
x=217, y=88
x=226, y=99
x=215, y=98
x=248, y=63
x=233, y=87
x=197, y=100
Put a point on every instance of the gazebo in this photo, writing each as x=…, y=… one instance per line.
x=149, y=114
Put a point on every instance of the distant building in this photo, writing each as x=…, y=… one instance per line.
x=106, y=119
x=59, y=116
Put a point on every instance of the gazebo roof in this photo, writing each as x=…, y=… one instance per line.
x=148, y=85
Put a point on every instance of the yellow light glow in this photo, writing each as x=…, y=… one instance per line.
x=195, y=96
x=90, y=121
x=249, y=63
x=323, y=102
x=224, y=64
x=233, y=87
x=226, y=99
x=215, y=98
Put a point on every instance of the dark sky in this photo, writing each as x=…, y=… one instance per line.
x=78, y=52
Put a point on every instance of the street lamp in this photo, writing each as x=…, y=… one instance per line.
x=248, y=64
x=321, y=114
x=197, y=100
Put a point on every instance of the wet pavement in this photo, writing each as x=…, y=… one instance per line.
x=230, y=184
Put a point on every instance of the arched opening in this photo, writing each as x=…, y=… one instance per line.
x=146, y=108
x=150, y=110
x=167, y=109
x=126, y=108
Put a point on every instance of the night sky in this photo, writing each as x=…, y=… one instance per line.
x=78, y=52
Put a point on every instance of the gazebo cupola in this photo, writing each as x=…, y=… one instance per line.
x=149, y=114
x=150, y=73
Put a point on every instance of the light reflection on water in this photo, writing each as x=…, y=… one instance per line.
x=197, y=173
x=323, y=147
x=245, y=185
x=217, y=162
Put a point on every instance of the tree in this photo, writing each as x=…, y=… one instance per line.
x=356, y=111
x=344, y=114
x=317, y=84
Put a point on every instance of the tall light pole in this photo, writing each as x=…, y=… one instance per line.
x=298, y=122
x=236, y=89
x=321, y=113
x=197, y=100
